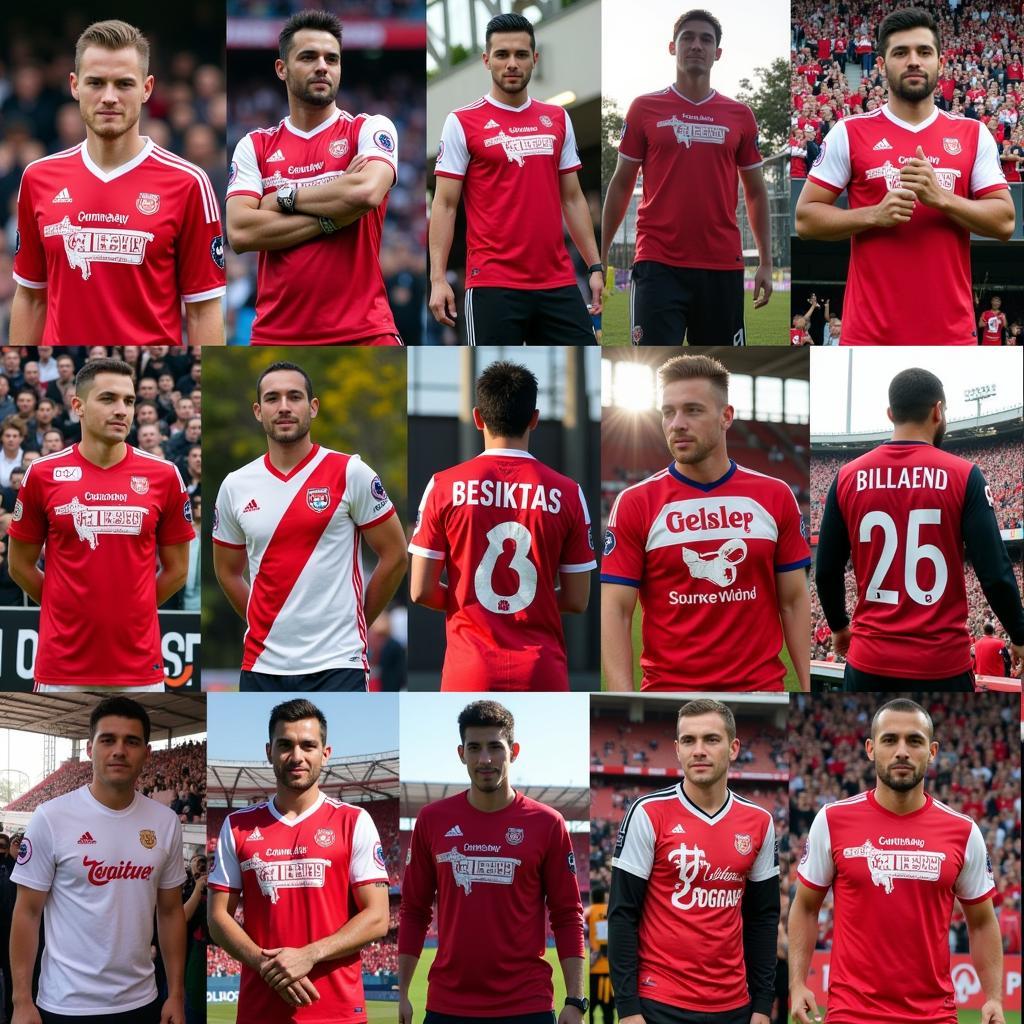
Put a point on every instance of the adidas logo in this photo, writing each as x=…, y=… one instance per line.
x=87, y=839
x=884, y=144
x=63, y=196
x=491, y=124
x=678, y=830
x=453, y=832
x=276, y=157
x=251, y=507
x=256, y=834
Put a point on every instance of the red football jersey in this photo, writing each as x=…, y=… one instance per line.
x=118, y=250
x=501, y=871
x=690, y=940
x=886, y=867
x=891, y=300
x=994, y=323
x=329, y=290
x=505, y=525
x=690, y=154
x=704, y=557
x=988, y=656
x=101, y=529
x=510, y=160
x=296, y=877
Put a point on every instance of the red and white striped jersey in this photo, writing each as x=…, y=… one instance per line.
x=301, y=530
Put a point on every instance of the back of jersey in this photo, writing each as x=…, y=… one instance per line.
x=506, y=525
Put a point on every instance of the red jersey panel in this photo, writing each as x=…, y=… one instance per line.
x=891, y=300
x=505, y=526
x=101, y=529
x=690, y=154
x=494, y=871
x=704, y=557
x=988, y=656
x=995, y=323
x=118, y=250
x=296, y=877
x=329, y=290
x=886, y=867
x=690, y=940
x=903, y=504
x=510, y=160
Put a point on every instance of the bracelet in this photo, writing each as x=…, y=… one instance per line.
x=327, y=226
x=596, y=268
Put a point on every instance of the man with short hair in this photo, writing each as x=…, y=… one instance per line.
x=991, y=658
x=57, y=389
x=912, y=508
x=712, y=551
x=694, y=908
x=918, y=180
x=116, y=232
x=295, y=520
x=150, y=440
x=460, y=847
x=695, y=146
x=513, y=159
x=503, y=624
x=103, y=852
x=53, y=441
x=12, y=438
x=894, y=853
x=310, y=195
x=108, y=514
x=309, y=871
x=993, y=322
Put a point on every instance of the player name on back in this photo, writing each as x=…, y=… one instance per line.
x=893, y=478
x=504, y=494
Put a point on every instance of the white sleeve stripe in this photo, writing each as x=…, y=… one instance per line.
x=427, y=553
x=578, y=567
x=209, y=196
x=631, y=159
x=26, y=283
x=205, y=189
x=583, y=505
x=213, y=293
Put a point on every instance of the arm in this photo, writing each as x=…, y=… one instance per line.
x=818, y=217
x=170, y=924
x=345, y=199
x=407, y=964
x=24, y=945
x=795, y=613
x=572, y=973
x=830, y=563
x=173, y=570
x=196, y=898
x=581, y=229
x=447, y=193
x=760, y=910
x=617, y=604
x=21, y=565
x=252, y=229
x=803, y=934
x=425, y=586
x=28, y=315
x=387, y=540
x=625, y=905
x=229, y=565
x=616, y=201
x=755, y=193
x=204, y=322
x=573, y=592
x=987, y=956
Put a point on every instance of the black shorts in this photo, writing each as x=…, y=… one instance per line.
x=855, y=681
x=520, y=1018
x=350, y=679
x=143, y=1015
x=667, y=303
x=522, y=316
x=662, y=1013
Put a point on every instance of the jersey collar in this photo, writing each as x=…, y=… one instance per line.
x=697, y=103
x=915, y=128
x=313, y=132
x=505, y=106
x=271, y=468
x=711, y=819
x=873, y=800
x=894, y=441
x=292, y=822
x=702, y=487
x=117, y=172
x=513, y=452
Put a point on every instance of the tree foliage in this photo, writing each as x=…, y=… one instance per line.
x=768, y=97
x=611, y=131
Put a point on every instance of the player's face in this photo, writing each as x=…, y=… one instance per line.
x=118, y=751
x=107, y=407
x=510, y=60
x=110, y=88
x=901, y=750
x=312, y=71
x=703, y=748
x=283, y=409
x=912, y=64
x=487, y=755
x=297, y=754
x=694, y=420
x=695, y=49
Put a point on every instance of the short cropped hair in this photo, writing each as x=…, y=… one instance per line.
x=121, y=707
x=509, y=23
x=905, y=706
x=14, y=422
x=87, y=374
x=488, y=714
x=706, y=706
x=297, y=711
x=113, y=35
x=696, y=367
x=698, y=15
x=912, y=393
x=506, y=395
x=319, y=21
x=283, y=364
x=903, y=19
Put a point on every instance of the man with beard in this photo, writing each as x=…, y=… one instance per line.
x=513, y=160
x=310, y=874
x=919, y=180
x=905, y=511
x=309, y=195
x=114, y=233
x=295, y=519
x=711, y=550
x=694, y=907
x=494, y=860
x=894, y=854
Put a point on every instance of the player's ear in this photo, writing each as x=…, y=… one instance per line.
x=462, y=753
x=256, y=410
x=478, y=420
x=888, y=412
x=672, y=48
x=869, y=747
x=515, y=751
x=269, y=758
x=279, y=68
x=534, y=419
x=327, y=753
x=147, y=88
x=73, y=82
x=314, y=407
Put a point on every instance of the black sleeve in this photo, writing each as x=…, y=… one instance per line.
x=987, y=552
x=830, y=563
x=1007, y=661
x=625, y=905
x=761, y=908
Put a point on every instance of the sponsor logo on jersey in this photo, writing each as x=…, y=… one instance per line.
x=256, y=834
x=140, y=484
x=378, y=856
x=147, y=837
x=186, y=510
x=481, y=870
x=546, y=121
x=85, y=246
x=63, y=196
x=743, y=843
x=687, y=132
x=377, y=490
x=86, y=839
x=338, y=147
x=216, y=519
x=147, y=203
x=298, y=873
x=307, y=168
x=522, y=129
x=383, y=141
x=251, y=507
x=946, y=177
x=887, y=865
x=67, y=473
x=491, y=124
x=517, y=150
x=717, y=566
x=275, y=157
x=882, y=144
x=514, y=836
x=952, y=146
x=590, y=537
x=232, y=173
x=102, y=873
x=25, y=850
x=217, y=250
x=91, y=521
x=453, y=832
x=695, y=872
x=678, y=830
x=609, y=542
x=19, y=510
x=324, y=837
x=318, y=498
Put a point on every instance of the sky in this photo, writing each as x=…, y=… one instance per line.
x=958, y=368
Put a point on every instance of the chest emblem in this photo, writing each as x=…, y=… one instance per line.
x=468, y=869
x=318, y=498
x=514, y=836
x=688, y=132
x=743, y=843
x=85, y=246
x=887, y=865
x=147, y=203
x=92, y=520
x=339, y=147
x=147, y=837
x=951, y=146
x=140, y=484
x=518, y=148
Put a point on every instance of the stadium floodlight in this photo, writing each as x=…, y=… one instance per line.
x=633, y=386
x=976, y=394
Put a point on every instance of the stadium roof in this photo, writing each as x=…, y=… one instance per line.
x=1003, y=423
x=67, y=714
x=572, y=802
x=766, y=361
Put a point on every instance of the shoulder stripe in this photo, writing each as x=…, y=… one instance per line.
x=163, y=462
x=949, y=810
x=248, y=810
x=658, y=794
x=750, y=803
x=205, y=188
x=471, y=106
x=62, y=155
x=44, y=458
x=651, y=479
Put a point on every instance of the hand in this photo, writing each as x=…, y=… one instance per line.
x=173, y=1010
x=896, y=208
x=762, y=286
x=570, y=1015
x=404, y=1010
x=27, y=1014
x=918, y=176
x=1016, y=656
x=841, y=641
x=596, y=290
x=285, y=966
x=802, y=1004
x=201, y=882
x=269, y=201
x=633, y=1018
x=992, y=1012
x=357, y=163
x=299, y=993
x=442, y=303
x=760, y=1018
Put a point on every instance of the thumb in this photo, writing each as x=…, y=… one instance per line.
x=920, y=153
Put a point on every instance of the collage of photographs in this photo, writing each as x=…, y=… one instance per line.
x=521, y=670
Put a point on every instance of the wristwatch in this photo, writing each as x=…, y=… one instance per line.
x=286, y=198
x=581, y=1004
x=596, y=268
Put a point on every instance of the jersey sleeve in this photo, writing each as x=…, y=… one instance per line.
x=766, y=865
x=562, y=893
x=569, y=160
x=748, y=156
x=817, y=868
x=633, y=141
x=453, y=153
x=428, y=539
x=367, y=862
x=175, y=526
x=226, y=875
x=378, y=140
x=987, y=172
x=419, y=886
x=831, y=169
x=29, y=255
x=226, y=528
x=244, y=177
x=974, y=883
x=624, y=543
x=368, y=502
x=173, y=873
x=29, y=522
x=792, y=550
x=200, y=248
x=578, y=552
x=634, y=847
x=35, y=865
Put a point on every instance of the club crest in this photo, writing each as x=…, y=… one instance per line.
x=147, y=203
x=318, y=498
x=147, y=837
x=743, y=843
x=951, y=146
x=339, y=147
x=514, y=836
x=140, y=484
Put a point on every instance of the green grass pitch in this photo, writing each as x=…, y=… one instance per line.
x=974, y=1017
x=379, y=1013
x=767, y=326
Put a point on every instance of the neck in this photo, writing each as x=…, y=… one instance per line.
x=693, y=87
x=100, y=452
x=510, y=99
x=305, y=117
x=900, y=803
x=291, y=803
x=109, y=154
x=497, y=800
x=708, y=798
x=708, y=470
x=914, y=432
x=117, y=799
x=912, y=111
x=519, y=444
x=284, y=457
